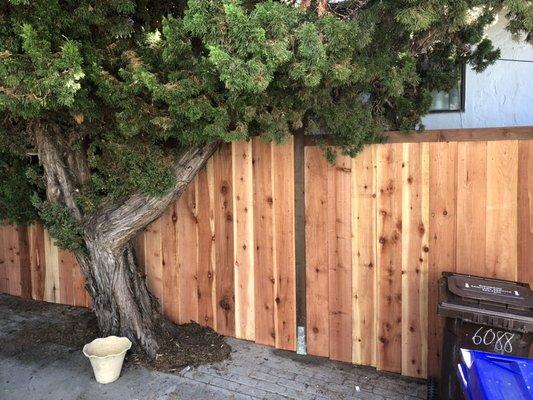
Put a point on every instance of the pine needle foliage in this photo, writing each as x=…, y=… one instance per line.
x=125, y=84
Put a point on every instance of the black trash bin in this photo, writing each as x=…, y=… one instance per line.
x=482, y=314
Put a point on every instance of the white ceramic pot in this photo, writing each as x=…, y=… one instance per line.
x=106, y=356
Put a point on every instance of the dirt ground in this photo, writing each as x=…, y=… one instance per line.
x=190, y=345
x=41, y=359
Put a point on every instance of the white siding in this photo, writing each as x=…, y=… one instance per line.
x=502, y=95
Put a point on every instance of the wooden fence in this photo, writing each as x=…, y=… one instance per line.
x=379, y=230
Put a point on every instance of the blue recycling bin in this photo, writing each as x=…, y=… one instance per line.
x=489, y=376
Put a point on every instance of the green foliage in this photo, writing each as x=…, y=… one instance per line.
x=59, y=222
x=15, y=190
x=128, y=83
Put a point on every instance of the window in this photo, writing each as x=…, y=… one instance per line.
x=451, y=101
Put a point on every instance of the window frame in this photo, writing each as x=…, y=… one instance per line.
x=462, y=88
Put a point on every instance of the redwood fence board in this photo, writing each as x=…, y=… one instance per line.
x=379, y=231
x=364, y=269
x=284, y=246
x=265, y=331
x=206, y=248
x=224, y=258
x=317, y=275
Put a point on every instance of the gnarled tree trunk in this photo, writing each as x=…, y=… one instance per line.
x=122, y=302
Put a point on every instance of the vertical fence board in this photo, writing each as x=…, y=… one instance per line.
x=13, y=261
x=471, y=198
x=442, y=234
x=51, y=282
x=224, y=277
x=37, y=260
x=415, y=209
x=206, y=247
x=153, y=261
x=66, y=276
x=243, y=203
x=389, y=256
x=4, y=286
x=24, y=261
x=340, y=261
x=139, y=249
x=81, y=297
x=525, y=212
x=188, y=256
x=501, y=205
x=284, y=250
x=316, y=206
x=364, y=257
x=263, y=243
x=169, y=253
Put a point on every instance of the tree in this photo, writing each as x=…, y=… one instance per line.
x=109, y=108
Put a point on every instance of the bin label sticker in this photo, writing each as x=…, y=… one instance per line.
x=492, y=289
x=501, y=340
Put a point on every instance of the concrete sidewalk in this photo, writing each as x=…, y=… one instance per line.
x=254, y=372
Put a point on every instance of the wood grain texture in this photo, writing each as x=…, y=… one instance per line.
x=442, y=237
x=444, y=135
x=389, y=257
x=471, y=207
x=206, y=246
x=37, y=260
x=243, y=209
x=170, y=259
x=415, y=246
x=67, y=264
x=81, y=296
x=224, y=276
x=4, y=285
x=51, y=282
x=340, y=260
x=284, y=250
x=187, y=256
x=317, y=296
x=501, y=208
x=265, y=332
x=153, y=260
x=13, y=261
x=364, y=257
x=24, y=261
x=525, y=212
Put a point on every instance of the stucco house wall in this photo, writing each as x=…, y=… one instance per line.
x=502, y=95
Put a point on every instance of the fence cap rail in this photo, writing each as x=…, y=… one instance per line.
x=444, y=135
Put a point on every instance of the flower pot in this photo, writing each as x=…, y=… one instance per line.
x=106, y=356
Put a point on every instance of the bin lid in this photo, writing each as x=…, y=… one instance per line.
x=486, y=301
x=492, y=290
x=487, y=376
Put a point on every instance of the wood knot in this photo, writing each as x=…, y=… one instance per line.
x=224, y=304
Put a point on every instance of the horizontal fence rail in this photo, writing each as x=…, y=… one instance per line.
x=379, y=231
